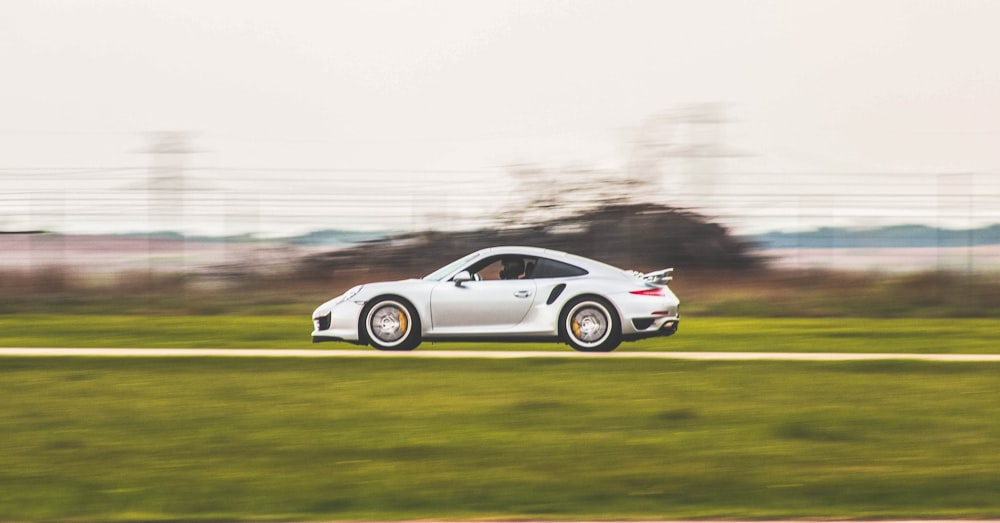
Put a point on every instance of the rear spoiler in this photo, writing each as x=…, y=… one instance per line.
x=658, y=277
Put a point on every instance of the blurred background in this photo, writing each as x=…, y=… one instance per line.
x=215, y=143
x=204, y=173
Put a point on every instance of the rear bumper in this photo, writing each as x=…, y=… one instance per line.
x=659, y=327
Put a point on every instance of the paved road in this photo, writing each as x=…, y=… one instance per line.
x=371, y=353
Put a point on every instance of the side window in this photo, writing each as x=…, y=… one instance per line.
x=547, y=268
x=488, y=271
x=504, y=267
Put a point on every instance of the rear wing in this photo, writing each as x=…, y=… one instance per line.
x=660, y=277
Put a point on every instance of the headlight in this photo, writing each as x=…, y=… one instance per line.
x=352, y=292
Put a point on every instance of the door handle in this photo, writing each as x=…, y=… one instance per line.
x=522, y=294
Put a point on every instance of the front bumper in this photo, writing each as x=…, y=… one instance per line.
x=337, y=322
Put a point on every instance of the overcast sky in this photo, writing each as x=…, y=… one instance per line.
x=836, y=86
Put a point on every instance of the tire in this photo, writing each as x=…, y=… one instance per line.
x=390, y=323
x=590, y=324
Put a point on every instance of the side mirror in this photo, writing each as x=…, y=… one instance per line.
x=461, y=278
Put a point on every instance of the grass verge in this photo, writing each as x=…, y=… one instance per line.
x=857, y=335
x=357, y=439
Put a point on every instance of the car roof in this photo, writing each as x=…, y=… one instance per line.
x=586, y=263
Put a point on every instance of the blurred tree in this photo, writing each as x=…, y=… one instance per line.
x=641, y=236
x=543, y=194
x=613, y=215
x=673, y=157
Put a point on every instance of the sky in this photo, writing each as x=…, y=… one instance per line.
x=394, y=114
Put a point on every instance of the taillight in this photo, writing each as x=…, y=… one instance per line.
x=653, y=291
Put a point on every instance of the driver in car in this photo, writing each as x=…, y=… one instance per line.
x=513, y=268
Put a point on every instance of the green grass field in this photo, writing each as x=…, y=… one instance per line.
x=896, y=335
x=85, y=439
x=98, y=439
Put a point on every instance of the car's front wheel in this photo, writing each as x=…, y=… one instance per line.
x=590, y=325
x=390, y=324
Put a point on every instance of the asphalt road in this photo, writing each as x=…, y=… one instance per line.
x=371, y=353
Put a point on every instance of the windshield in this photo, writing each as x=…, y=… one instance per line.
x=441, y=273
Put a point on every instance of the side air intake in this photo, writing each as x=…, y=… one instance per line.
x=554, y=295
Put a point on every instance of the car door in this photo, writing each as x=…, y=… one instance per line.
x=480, y=307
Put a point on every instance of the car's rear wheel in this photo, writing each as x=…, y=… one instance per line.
x=391, y=324
x=590, y=325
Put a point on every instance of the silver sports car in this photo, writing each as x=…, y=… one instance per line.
x=506, y=293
